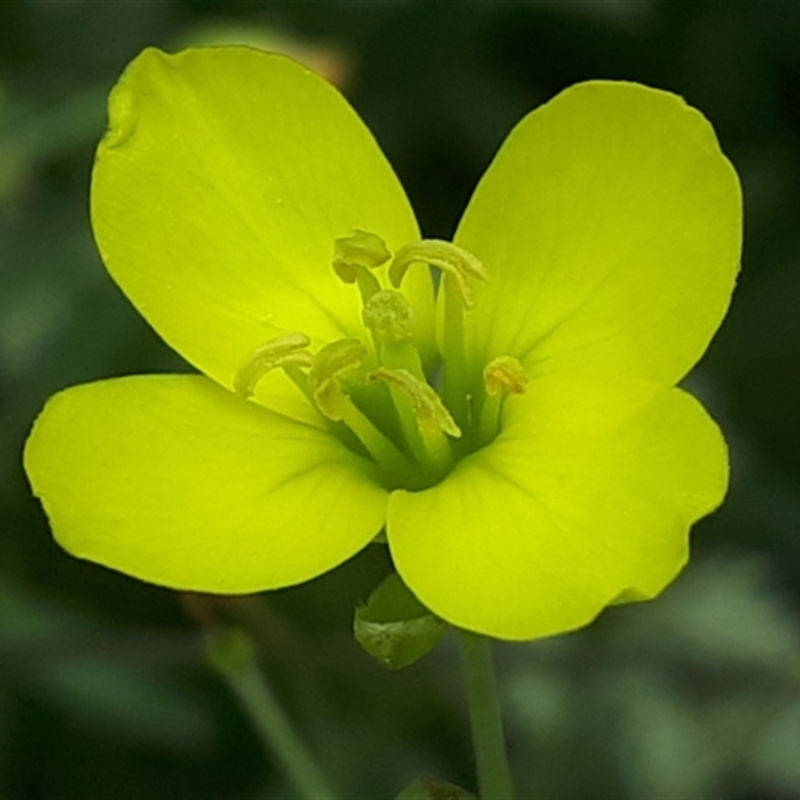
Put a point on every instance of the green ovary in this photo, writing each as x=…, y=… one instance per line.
x=380, y=402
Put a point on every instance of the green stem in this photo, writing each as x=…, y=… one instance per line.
x=494, y=776
x=230, y=651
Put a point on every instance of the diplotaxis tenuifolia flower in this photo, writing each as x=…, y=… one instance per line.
x=503, y=406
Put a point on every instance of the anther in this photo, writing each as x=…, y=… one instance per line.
x=457, y=263
x=329, y=364
x=283, y=352
x=355, y=255
x=332, y=400
x=431, y=413
x=504, y=374
x=361, y=248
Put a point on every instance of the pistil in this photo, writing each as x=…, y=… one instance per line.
x=431, y=420
x=390, y=318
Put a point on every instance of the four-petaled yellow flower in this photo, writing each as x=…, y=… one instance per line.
x=514, y=426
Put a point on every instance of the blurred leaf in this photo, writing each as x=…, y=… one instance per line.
x=723, y=611
x=73, y=661
x=23, y=618
x=128, y=701
x=659, y=741
x=32, y=133
x=776, y=757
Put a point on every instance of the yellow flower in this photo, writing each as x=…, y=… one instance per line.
x=517, y=433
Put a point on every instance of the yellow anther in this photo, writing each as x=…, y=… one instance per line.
x=329, y=364
x=431, y=413
x=333, y=401
x=361, y=248
x=284, y=351
x=456, y=262
x=335, y=359
x=504, y=374
x=389, y=316
x=355, y=255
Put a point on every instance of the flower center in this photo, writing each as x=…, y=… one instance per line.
x=379, y=400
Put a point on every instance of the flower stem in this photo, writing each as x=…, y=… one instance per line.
x=231, y=653
x=494, y=776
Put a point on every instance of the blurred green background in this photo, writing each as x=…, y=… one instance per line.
x=103, y=688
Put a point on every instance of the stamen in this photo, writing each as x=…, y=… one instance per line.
x=428, y=414
x=431, y=412
x=456, y=262
x=505, y=374
x=334, y=360
x=330, y=364
x=458, y=265
x=502, y=376
x=355, y=255
x=361, y=248
x=287, y=352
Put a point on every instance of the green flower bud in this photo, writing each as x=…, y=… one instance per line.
x=394, y=627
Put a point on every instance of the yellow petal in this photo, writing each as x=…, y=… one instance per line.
x=588, y=493
x=610, y=225
x=217, y=195
x=175, y=481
